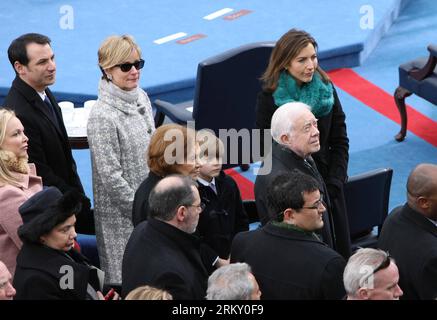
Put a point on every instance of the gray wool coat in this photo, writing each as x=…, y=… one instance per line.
x=119, y=129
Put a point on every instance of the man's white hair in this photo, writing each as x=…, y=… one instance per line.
x=285, y=117
x=358, y=266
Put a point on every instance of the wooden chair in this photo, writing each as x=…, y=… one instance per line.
x=418, y=76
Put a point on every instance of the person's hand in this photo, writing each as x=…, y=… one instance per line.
x=100, y=296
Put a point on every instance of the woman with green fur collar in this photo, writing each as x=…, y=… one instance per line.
x=293, y=74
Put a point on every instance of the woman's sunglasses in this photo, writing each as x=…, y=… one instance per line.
x=126, y=67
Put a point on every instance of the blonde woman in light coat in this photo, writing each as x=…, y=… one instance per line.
x=119, y=130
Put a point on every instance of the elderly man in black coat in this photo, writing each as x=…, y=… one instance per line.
x=287, y=257
x=33, y=61
x=410, y=235
x=296, y=138
x=162, y=251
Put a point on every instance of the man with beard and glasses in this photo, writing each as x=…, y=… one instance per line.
x=162, y=251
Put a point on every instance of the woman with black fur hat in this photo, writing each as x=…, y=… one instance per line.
x=47, y=265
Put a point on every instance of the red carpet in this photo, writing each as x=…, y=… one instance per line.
x=383, y=102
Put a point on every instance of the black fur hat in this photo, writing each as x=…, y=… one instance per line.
x=45, y=210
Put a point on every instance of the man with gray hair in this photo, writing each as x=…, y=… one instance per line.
x=296, y=138
x=371, y=274
x=233, y=282
x=162, y=251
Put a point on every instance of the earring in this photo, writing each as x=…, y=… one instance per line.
x=109, y=76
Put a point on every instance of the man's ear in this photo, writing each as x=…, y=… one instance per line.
x=363, y=294
x=19, y=68
x=42, y=239
x=423, y=202
x=284, y=139
x=289, y=215
x=181, y=213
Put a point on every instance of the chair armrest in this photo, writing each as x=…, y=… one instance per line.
x=420, y=74
x=432, y=50
x=176, y=112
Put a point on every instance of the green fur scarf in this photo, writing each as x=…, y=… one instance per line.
x=317, y=94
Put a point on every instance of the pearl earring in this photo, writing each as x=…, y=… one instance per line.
x=109, y=76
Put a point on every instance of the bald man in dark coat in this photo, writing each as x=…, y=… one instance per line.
x=409, y=234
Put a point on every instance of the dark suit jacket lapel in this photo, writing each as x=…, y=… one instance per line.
x=61, y=129
x=35, y=100
x=419, y=220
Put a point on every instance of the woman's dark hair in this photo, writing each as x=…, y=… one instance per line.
x=286, y=49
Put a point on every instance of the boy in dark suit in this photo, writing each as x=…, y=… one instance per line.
x=224, y=215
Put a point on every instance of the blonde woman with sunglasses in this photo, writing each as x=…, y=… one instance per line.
x=119, y=130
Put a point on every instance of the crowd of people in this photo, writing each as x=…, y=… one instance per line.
x=170, y=224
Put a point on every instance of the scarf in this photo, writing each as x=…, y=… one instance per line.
x=296, y=228
x=316, y=93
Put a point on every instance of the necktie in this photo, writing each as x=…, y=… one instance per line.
x=212, y=186
x=51, y=111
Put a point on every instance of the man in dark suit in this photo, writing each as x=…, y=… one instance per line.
x=296, y=138
x=287, y=258
x=162, y=251
x=34, y=64
x=410, y=235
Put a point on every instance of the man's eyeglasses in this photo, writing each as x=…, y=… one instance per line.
x=317, y=205
x=126, y=67
x=384, y=264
